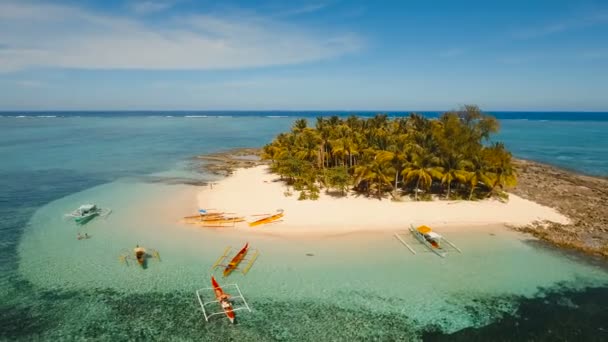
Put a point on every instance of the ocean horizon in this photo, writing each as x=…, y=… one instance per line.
x=502, y=115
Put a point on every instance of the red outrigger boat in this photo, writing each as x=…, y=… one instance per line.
x=236, y=260
x=223, y=300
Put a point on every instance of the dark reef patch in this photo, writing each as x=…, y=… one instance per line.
x=560, y=315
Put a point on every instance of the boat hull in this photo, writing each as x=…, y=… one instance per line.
x=434, y=247
x=236, y=260
x=266, y=220
x=228, y=310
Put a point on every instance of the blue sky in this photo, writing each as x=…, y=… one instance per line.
x=303, y=55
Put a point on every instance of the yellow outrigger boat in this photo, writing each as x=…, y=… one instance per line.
x=268, y=219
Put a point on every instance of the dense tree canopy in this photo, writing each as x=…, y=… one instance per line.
x=450, y=156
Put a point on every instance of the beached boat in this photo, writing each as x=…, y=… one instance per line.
x=223, y=219
x=223, y=299
x=87, y=212
x=236, y=260
x=268, y=219
x=429, y=238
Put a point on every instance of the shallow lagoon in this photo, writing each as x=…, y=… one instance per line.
x=366, y=273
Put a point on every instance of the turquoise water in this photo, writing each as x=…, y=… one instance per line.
x=354, y=287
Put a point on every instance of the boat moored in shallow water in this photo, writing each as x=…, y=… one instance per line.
x=87, y=212
x=429, y=238
x=223, y=299
x=236, y=260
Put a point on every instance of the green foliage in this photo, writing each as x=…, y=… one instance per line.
x=447, y=156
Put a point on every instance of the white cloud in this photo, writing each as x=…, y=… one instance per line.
x=562, y=26
x=42, y=35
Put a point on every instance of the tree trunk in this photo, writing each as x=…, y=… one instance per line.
x=396, y=179
x=449, y=188
x=322, y=156
x=471, y=193
x=416, y=190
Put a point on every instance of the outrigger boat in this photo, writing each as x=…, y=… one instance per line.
x=238, y=259
x=140, y=255
x=268, y=219
x=223, y=299
x=87, y=212
x=228, y=304
x=213, y=219
x=430, y=239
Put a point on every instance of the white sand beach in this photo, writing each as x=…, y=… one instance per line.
x=255, y=191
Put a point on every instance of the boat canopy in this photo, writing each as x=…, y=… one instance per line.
x=433, y=235
x=87, y=207
x=424, y=229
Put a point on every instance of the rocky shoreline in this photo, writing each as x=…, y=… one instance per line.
x=224, y=163
x=583, y=199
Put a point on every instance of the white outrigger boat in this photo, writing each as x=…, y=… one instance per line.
x=433, y=241
x=86, y=212
x=430, y=239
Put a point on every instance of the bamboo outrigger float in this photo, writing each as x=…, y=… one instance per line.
x=433, y=241
x=228, y=303
x=268, y=219
x=246, y=256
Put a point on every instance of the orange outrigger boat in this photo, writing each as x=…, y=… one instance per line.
x=268, y=219
x=236, y=260
x=223, y=300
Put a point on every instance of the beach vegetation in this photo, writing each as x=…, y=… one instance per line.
x=450, y=157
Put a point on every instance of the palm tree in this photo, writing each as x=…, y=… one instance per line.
x=299, y=125
x=452, y=165
x=376, y=175
x=377, y=152
x=308, y=146
x=423, y=169
x=478, y=173
x=501, y=166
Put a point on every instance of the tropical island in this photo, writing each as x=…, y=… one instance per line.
x=415, y=156
x=332, y=179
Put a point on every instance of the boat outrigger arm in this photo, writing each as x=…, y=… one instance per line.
x=440, y=250
x=208, y=314
x=247, y=262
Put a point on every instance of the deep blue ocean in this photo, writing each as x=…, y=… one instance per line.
x=48, y=155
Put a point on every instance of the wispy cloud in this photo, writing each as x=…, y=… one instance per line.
x=30, y=83
x=453, y=52
x=73, y=37
x=561, y=26
x=150, y=6
x=517, y=60
x=310, y=8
